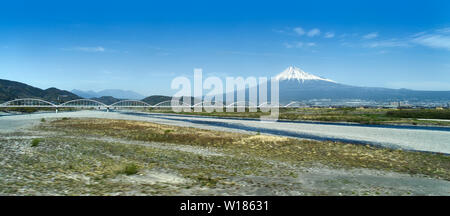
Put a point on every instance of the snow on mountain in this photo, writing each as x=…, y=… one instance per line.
x=294, y=73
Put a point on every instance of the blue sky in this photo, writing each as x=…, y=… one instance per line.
x=142, y=46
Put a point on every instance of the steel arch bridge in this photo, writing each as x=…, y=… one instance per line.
x=294, y=104
x=83, y=103
x=209, y=104
x=168, y=104
x=242, y=104
x=130, y=104
x=89, y=103
x=28, y=102
x=268, y=105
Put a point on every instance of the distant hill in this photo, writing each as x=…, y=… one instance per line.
x=108, y=100
x=116, y=93
x=152, y=100
x=10, y=90
x=85, y=94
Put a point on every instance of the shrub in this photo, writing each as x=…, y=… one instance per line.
x=130, y=169
x=35, y=142
x=42, y=119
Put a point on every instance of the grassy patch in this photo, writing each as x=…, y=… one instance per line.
x=35, y=142
x=420, y=113
x=129, y=169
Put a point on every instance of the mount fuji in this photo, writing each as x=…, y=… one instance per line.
x=294, y=73
x=298, y=85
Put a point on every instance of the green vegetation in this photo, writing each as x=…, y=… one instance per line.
x=420, y=113
x=130, y=169
x=22, y=109
x=33, y=109
x=348, y=114
x=35, y=142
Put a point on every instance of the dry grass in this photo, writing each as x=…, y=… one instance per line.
x=118, y=157
x=302, y=152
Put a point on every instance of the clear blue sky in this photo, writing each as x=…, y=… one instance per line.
x=142, y=46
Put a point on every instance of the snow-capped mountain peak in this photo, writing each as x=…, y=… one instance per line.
x=294, y=73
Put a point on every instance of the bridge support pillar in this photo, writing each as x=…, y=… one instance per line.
x=56, y=110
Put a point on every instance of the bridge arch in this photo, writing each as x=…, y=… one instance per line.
x=168, y=103
x=27, y=102
x=130, y=103
x=263, y=104
x=198, y=104
x=83, y=103
x=242, y=103
x=294, y=104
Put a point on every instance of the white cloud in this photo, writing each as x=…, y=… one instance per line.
x=299, y=45
x=88, y=49
x=422, y=85
x=288, y=45
x=293, y=45
x=434, y=40
x=329, y=35
x=313, y=32
x=299, y=31
x=162, y=54
x=444, y=30
x=371, y=35
x=387, y=43
x=91, y=49
x=439, y=39
x=278, y=30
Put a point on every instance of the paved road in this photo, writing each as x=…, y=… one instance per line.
x=432, y=139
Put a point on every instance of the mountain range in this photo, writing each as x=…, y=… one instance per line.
x=116, y=93
x=10, y=90
x=294, y=85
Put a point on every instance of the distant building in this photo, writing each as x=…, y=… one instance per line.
x=395, y=104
